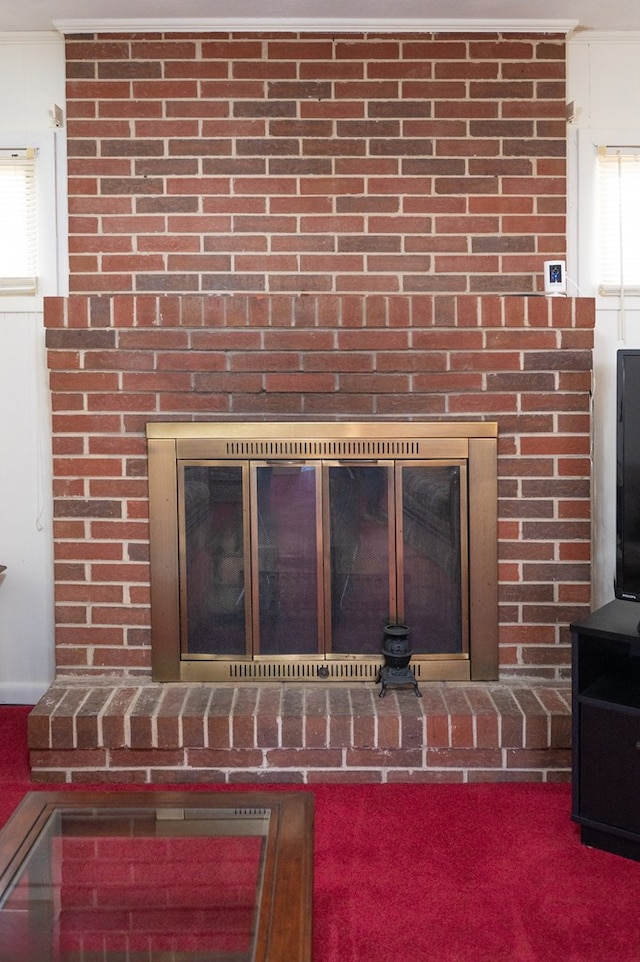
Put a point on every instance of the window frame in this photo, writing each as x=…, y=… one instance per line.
x=617, y=166
x=51, y=209
x=18, y=183
x=587, y=217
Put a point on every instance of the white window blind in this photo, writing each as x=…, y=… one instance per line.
x=619, y=219
x=18, y=221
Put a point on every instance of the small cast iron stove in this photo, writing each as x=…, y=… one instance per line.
x=396, y=650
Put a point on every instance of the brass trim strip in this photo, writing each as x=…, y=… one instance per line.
x=163, y=529
x=332, y=430
x=483, y=558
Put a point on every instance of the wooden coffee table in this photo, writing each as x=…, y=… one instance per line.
x=158, y=876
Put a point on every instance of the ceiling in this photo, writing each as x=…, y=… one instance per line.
x=321, y=15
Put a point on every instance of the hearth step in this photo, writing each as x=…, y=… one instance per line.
x=83, y=731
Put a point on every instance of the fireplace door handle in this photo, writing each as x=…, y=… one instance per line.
x=359, y=461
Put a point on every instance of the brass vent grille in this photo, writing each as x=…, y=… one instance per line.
x=308, y=671
x=339, y=448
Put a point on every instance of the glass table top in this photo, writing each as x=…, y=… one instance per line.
x=159, y=877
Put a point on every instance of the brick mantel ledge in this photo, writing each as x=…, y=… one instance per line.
x=139, y=732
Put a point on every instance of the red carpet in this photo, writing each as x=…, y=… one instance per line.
x=444, y=873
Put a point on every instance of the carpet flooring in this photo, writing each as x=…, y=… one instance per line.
x=441, y=873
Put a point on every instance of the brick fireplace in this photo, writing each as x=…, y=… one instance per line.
x=117, y=363
x=313, y=228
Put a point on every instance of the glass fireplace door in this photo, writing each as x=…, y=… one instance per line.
x=316, y=558
x=432, y=556
x=286, y=565
x=214, y=559
x=360, y=592
x=280, y=550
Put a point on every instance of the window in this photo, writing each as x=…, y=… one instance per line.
x=18, y=238
x=33, y=215
x=619, y=219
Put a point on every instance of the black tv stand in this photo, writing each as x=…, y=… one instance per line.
x=606, y=728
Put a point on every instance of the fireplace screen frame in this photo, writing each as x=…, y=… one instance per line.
x=171, y=444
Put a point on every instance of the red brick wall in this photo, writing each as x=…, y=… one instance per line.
x=322, y=202
x=409, y=163
x=118, y=362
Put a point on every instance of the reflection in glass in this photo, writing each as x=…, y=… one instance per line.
x=214, y=568
x=359, y=553
x=287, y=559
x=431, y=562
x=141, y=885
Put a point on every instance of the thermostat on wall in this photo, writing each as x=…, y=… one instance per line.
x=555, y=281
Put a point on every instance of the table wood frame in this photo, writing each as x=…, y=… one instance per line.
x=285, y=914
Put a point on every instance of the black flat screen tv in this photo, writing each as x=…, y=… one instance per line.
x=627, y=583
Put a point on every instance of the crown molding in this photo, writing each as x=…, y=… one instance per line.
x=30, y=36
x=605, y=36
x=323, y=25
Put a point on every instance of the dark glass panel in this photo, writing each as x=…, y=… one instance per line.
x=287, y=559
x=431, y=558
x=214, y=560
x=359, y=555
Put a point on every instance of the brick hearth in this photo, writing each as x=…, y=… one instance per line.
x=281, y=733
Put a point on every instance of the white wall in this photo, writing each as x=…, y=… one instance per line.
x=26, y=592
x=604, y=86
x=31, y=81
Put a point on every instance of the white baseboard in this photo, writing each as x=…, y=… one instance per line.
x=22, y=693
